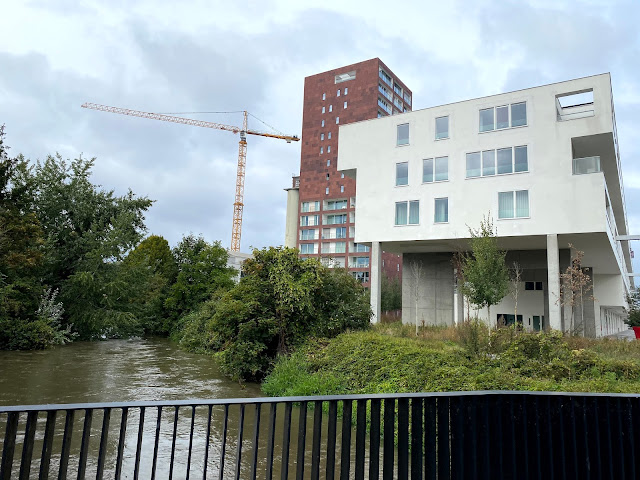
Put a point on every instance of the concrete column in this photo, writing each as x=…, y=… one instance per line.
x=291, y=222
x=553, y=280
x=375, y=281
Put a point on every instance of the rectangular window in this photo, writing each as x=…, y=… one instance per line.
x=384, y=105
x=442, y=169
x=474, y=168
x=344, y=77
x=407, y=98
x=402, y=173
x=398, y=103
x=308, y=248
x=427, y=170
x=362, y=277
x=341, y=247
x=338, y=93
x=397, y=88
x=305, y=207
x=383, y=90
x=329, y=135
x=322, y=123
x=346, y=91
x=327, y=177
x=336, y=219
x=414, y=212
x=331, y=108
x=341, y=232
x=328, y=163
x=502, y=117
x=521, y=162
x=321, y=136
x=586, y=165
x=324, y=96
x=385, y=77
x=323, y=109
x=321, y=150
x=345, y=105
x=337, y=120
x=401, y=213
x=442, y=127
x=326, y=191
x=308, y=234
x=505, y=160
x=488, y=162
x=336, y=205
x=513, y=204
x=538, y=285
x=309, y=220
x=413, y=217
x=359, y=247
x=328, y=148
x=529, y=285
x=486, y=120
x=403, y=134
x=441, y=210
x=518, y=114
x=341, y=188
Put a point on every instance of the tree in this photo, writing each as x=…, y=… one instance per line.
x=575, y=284
x=633, y=312
x=391, y=294
x=485, y=272
x=515, y=278
x=201, y=270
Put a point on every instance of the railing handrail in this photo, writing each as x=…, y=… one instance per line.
x=306, y=399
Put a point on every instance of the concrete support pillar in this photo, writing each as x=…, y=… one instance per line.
x=291, y=222
x=553, y=280
x=376, y=281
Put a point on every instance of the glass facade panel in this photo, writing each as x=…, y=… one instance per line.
x=401, y=213
x=414, y=212
x=486, y=120
x=442, y=210
x=518, y=114
x=586, y=165
x=473, y=165
x=505, y=160
x=505, y=205
x=521, y=163
x=442, y=169
x=488, y=162
x=427, y=170
x=502, y=117
x=442, y=127
x=402, y=173
x=522, y=203
x=403, y=134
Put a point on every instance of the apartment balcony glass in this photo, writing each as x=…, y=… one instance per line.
x=385, y=92
x=586, y=165
x=384, y=105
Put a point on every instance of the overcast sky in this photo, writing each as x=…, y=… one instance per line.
x=169, y=56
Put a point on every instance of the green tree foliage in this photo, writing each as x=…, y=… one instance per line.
x=633, y=319
x=486, y=277
x=201, y=270
x=391, y=294
x=280, y=302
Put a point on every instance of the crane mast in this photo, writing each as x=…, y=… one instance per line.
x=238, y=205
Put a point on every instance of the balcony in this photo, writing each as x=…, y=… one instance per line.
x=385, y=92
x=574, y=105
x=385, y=106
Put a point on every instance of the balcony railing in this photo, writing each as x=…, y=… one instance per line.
x=384, y=106
x=483, y=435
x=385, y=92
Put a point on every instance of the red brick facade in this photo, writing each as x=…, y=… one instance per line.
x=338, y=97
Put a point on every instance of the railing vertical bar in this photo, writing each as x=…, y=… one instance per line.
x=239, y=445
x=536, y=419
x=586, y=462
x=331, y=440
x=9, y=447
x=499, y=432
x=136, y=470
x=345, y=454
x=621, y=440
x=27, y=445
x=123, y=433
x=286, y=440
x=595, y=426
x=155, y=444
x=47, y=445
x=416, y=439
x=206, y=444
x=104, y=436
x=256, y=433
x=443, y=438
x=223, y=447
x=549, y=440
x=457, y=439
x=302, y=438
x=66, y=444
x=374, y=440
x=84, y=445
x=317, y=437
x=173, y=439
x=403, y=438
x=388, y=438
x=561, y=409
x=271, y=440
x=525, y=433
x=430, y=468
x=361, y=433
x=631, y=438
x=608, y=456
x=193, y=422
x=574, y=443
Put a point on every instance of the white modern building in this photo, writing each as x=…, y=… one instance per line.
x=543, y=163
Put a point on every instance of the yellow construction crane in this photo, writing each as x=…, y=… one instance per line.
x=238, y=205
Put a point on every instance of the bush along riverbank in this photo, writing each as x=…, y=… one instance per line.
x=391, y=359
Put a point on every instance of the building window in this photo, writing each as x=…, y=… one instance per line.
x=323, y=123
x=504, y=116
x=310, y=206
x=441, y=210
x=435, y=169
x=586, y=165
x=513, y=204
x=321, y=136
x=308, y=234
x=322, y=109
x=342, y=175
x=442, y=128
x=327, y=177
x=407, y=98
x=336, y=205
x=308, y=248
x=345, y=105
x=329, y=135
x=337, y=120
x=501, y=161
x=331, y=108
x=398, y=103
x=362, y=277
x=346, y=90
x=344, y=77
x=328, y=148
x=403, y=134
x=384, y=76
x=324, y=96
x=336, y=219
x=360, y=262
x=338, y=93
x=328, y=163
x=408, y=213
x=397, y=88
x=341, y=188
x=309, y=220
x=359, y=247
x=384, y=105
x=402, y=173
x=533, y=286
x=326, y=191
x=341, y=232
x=321, y=150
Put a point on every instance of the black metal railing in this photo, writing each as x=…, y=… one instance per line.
x=487, y=435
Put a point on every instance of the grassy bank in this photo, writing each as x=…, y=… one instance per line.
x=390, y=358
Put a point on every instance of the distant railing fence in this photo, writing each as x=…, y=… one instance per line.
x=486, y=435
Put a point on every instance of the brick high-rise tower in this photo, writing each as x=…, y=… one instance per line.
x=322, y=201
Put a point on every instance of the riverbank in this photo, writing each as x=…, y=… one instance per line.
x=390, y=358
